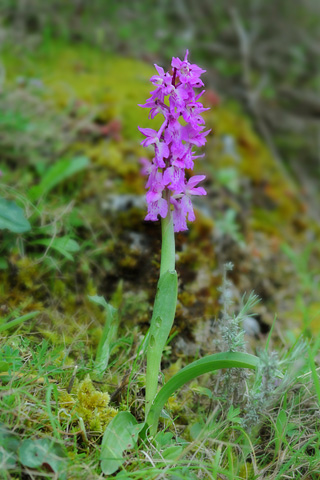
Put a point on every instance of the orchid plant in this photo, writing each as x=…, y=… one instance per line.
x=169, y=196
x=170, y=190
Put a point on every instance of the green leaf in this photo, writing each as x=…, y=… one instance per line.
x=203, y=391
x=280, y=431
x=17, y=321
x=314, y=374
x=196, y=429
x=233, y=415
x=172, y=453
x=33, y=453
x=12, y=217
x=193, y=370
x=108, y=336
x=3, y=263
x=120, y=435
x=64, y=245
x=4, y=366
x=9, y=444
x=161, y=324
x=58, y=173
x=163, y=439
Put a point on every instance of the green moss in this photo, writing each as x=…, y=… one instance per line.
x=88, y=403
x=108, y=85
x=103, y=91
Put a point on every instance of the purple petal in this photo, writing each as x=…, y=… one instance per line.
x=159, y=70
x=148, y=132
x=194, y=180
x=187, y=208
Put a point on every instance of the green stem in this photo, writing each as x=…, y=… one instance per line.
x=168, y=245
x=163, y=310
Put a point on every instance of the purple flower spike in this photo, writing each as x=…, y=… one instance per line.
x=168, y=188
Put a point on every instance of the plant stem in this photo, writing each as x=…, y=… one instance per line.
x=168, y=245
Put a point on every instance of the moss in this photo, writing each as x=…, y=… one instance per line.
x=108, y=85
x=103, y=92
x=88, y=403
x=236, y=145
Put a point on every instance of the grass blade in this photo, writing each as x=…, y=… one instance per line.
x=17, y=321
x=108, y=336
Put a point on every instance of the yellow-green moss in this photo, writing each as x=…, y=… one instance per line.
x=88, y=403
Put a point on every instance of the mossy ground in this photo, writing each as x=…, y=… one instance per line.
x=253, y=216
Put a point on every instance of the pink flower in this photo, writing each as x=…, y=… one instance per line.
x=161, y=148
x=188, y=73
x=174, y=142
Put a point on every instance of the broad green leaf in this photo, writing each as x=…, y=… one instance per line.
x=172, y=453
x=108, y=336
x=193, y=370
x=161, y=323
x=64, y=245
x=33, y=453
x=58, y=173
x=163, y=439
x=17, y=321
x=12, y=217
x=9, y=444
x=120, y=435
x=196, y=429
x=4, y=366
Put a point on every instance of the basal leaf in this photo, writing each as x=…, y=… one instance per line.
x=9, y=444
x=34, y=453
x=193, y=370
x=121, y=434
x=12, y=217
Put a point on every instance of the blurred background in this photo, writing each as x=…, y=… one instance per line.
x=71, y=76
x=263, y=54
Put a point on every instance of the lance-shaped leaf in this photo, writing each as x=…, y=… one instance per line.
x=161, y=324
x=108, y=336
x=193, y=370
x=58, y=173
